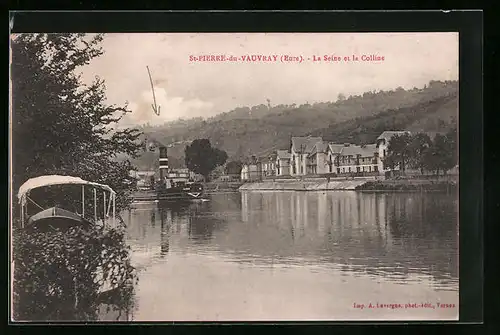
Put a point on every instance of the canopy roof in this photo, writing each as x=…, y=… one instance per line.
x=50, y=180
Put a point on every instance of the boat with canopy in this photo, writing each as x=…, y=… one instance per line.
x=58, y=217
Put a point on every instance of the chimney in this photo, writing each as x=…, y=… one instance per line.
x=163, y=163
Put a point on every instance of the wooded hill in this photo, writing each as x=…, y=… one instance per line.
x=259, y=130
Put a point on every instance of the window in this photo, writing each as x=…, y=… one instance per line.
x=338, y=170
x=369, y=169
x=375, y=168
x=349, y=169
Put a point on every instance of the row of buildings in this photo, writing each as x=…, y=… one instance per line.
x=313, y=156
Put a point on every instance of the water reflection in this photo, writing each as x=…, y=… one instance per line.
x=165, y=233
x=392, y=235
x=284, y=238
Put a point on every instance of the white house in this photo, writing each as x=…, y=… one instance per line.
x=333, y=151
x=282, y=164
x=300, y=148
x=357, y=159
x=268, y=165
x=317, y=159
x=251, y=171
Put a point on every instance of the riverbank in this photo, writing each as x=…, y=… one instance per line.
x=221, y=187
x=306, y=185
x=409, y=185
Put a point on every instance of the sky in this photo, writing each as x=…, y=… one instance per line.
x=186, y=89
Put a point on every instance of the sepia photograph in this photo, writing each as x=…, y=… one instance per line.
x=160, y=177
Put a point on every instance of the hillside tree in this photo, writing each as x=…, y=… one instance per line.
x=399, y=150
x=202, y=158
x=418, y=146
x=442, y=154
x=452, y=140
x=234, y=167
x=445, y=151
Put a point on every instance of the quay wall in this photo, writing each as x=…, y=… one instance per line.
x=358, y=184
x=306, y=185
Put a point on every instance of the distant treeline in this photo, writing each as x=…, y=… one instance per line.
x=438, y=115
x=260, y=129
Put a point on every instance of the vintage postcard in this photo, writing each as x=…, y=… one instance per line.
x=235, y=176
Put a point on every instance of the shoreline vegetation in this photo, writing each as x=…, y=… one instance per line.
x=388, y=185
x=409, y=185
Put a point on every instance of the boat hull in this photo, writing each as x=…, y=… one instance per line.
x=174, y=194
x=56, y=218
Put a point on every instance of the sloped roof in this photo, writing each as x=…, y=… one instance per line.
x=369, y=150
x=387, y=135
x=283, y=154
x=305, y=144
x=319, y=147
x=335, y=148
x=364, y=151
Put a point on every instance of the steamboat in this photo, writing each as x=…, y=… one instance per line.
x=171, y=186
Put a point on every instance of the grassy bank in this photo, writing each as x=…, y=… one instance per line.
x=409, y=185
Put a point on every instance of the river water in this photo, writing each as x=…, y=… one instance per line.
x=297, y=256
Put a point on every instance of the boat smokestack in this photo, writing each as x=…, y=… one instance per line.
x=163, y=163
